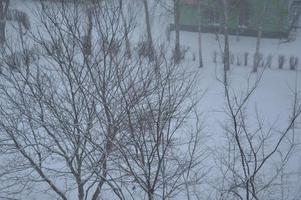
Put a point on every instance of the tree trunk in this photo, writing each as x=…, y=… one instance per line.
x=226, y=45
x=150, y=195
x=126, y=34
x=257, y=53
x=104, y=159
x=200, y=36
x=126, y=30
x=87, y=49
x=81, y=193
x=149, y=33
x=2, y=32
x=177, y=53
x=238, y=32
x=258, y=42
x=2, y=23
x=3, y=11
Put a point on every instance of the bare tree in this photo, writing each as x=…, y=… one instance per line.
x=248, y=152
x=81, y=124
x=64, y=118
x=151, y=156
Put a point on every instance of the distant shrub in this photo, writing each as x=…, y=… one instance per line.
x=246, y=56
x=214, y=56
x=168, y=33
x=258, y=60
x=293, y=62
x=87, y=45
x=111, y=47
x=268, y=62
x=223, y=58
x=281, y=61
x=232, y=58
x=19, y=16
x=13, y=61
x=238, y=60
x=144, y=50
x=178, y=56
x=29, y=56
x=53, y=47
x=16, y=60
x=262, y=61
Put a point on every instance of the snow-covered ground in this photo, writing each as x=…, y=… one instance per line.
x=272, y=99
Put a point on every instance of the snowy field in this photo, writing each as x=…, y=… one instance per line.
x=272, y=99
